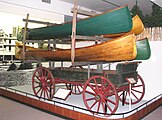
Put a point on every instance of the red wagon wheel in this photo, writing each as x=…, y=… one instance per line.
x=43, y=83
x=100, y=95
x=75, y=88
x=137, y=92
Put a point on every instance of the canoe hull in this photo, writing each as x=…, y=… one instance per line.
x=111, y=22
x=117, y=49
x=138, y=28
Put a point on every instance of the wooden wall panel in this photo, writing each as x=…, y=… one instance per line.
x=59, y=110
x=152, y=33
x=52, y=108
x=74, y=115
x=66, y=113
x=83, y=116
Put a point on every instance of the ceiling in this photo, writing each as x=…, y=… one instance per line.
x=104, y=5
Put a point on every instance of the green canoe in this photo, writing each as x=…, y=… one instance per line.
x=111, y=22
x=143, y=49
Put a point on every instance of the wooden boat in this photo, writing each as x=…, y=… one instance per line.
x=137, y=28
x=143, y=49
x=111, y=22
x=118, y=49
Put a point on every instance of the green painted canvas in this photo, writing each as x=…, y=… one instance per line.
x=114, y=21
x=143, y=49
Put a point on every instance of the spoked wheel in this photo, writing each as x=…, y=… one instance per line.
x=137, y=92
x=43, y=83
x=100, y=95
x=75, y=88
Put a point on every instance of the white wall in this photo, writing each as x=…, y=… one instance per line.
x=36, y=8
x=151, y=71
x=13, y=11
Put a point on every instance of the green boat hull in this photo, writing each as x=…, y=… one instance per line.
x=111, y=22
x=143, y=49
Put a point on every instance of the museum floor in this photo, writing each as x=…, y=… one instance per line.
x=11, y=110
x=16, y=111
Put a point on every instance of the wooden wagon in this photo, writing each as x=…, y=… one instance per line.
x=101, y=92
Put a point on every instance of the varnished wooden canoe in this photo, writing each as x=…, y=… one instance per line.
x=118, y=49
x=143, y=49
x=110, y=22
x=138, y=28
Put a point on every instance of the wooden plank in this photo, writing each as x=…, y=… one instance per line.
x=74, y=32
x=24, y=36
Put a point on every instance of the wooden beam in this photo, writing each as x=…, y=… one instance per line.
x=74, y=31
x=24, y=36
x=39, y=22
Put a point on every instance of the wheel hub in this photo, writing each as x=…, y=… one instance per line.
x=43, y=85
x=98, y=97
x=43, y=82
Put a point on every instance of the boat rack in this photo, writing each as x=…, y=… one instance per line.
x=67, y=40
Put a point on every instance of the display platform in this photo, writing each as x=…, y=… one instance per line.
x=77, y=100
x=74, y=104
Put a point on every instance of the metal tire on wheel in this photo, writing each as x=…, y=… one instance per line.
x=137, y=92
x=99, y=95
x=43, y=83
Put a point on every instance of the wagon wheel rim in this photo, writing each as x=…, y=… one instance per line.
x=98, y=97
x=43, y=83
x=76, y=89
x=137, y=92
